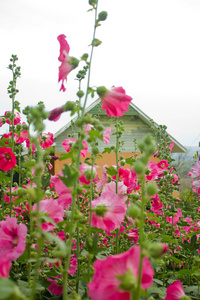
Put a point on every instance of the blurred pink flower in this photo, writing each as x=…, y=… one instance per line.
x=87, y=128
x=33, y=146
x=106, y=135
x=53, y=210
x=64, y=192
x=55, y=288
x=54, y=115
x=175, y=291
x=5, y=266
x=115, y=101
x=111, y=187
x=109, y=275
x=162, y=166
x=103, y=180
x=133, y=235
x=1, y=121
x=12, y=238
x=7, y=159
x=109, y=211
x=67, y=144
x=87, y=173
x=153, y=171
x=67, y=63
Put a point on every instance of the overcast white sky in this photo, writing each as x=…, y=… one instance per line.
x=149, y=47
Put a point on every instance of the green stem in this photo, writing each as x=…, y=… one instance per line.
x=91, y=54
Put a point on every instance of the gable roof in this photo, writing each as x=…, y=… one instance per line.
x=133, y=110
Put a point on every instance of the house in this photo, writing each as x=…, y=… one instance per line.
x=136, y=125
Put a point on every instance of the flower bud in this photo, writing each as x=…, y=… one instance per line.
x=92, y=2
x=84, y=56
x=80, y=94
x=100, y=210
x=127, y=281
x=101, y=91
x=133, y=211
x=69, y=105
x=139, y=167
x=102, y=16
x=96, y=42
x=156, y=250
x=151, y=188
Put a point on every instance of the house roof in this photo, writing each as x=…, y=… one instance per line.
x=133, y=110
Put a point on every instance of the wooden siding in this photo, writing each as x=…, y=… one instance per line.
x=134, y=128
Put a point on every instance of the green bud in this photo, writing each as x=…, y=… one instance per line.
x=95, y=150
x=100, y=128
x=139, y=167
x=101, y=91
x=69, y=105
x=151, y=188
x=74, y=62
x=122, y=163
x=92, y=2
x=133, y=211
x=156, y=250
x=80, y=94
x=84, y=56
x=96, y=42
x=127, y=281
x=79, y=122
x=102, y=16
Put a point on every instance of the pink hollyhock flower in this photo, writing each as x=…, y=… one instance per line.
x=67, y=144
x=53, y=211
x=129, y=178
x=152, y=171
x=111, y=187
x=157, y=204
x=171, y=146
x=115, y=276
x=7, y=194
x=106, y=135
x=109, y=211
x=5, y=266
x=12, y=238
x=133, y=235
x=87, y=173
x=175, y=218
x=33, y=146
x=67, y=63
x=17, y=118
x=64, y=192
x=54, y=115
x=73, y=265
x=87, y=128
x=7, y=159
x=46, y=140
x=162, y=166
x=55, y=288
x=176, y=292
x=115, y=101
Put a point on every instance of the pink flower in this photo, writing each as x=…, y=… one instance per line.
x=55, y=288
x=64, y=192
x=67, y=144
x=111, y=187
x=73, y=265
x=12, y=238
x=115, y=276
x=115, y=101
x=67, y=63
x=175, y=291
x=133, y=235
x=87, y=173
x=106, y=135
x=157, y=204
x=17, y=118
x=5, y=266
x=54, y=115
x=153, y=171
x=33, y=146
x=175, y=218
x=104, y=179
x=109, y=211
x=87, y=128
x=1, y=121
x=7, y=159
x=46, y=140
x=53, y=211
x=162, y=166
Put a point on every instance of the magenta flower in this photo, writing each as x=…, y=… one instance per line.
x=7, y=159
x=109, y=211
x=106, y=135
x=5, y=266
x=116, y=276
x=67, y=63
x=46, y=140
x=115, y=101
x=53, y=211
x=54, y=114
x=176, y=292
x=12, y=238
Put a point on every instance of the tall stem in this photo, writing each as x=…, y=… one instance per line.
x=117, y=178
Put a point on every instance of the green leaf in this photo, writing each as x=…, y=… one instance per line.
x=7, y=288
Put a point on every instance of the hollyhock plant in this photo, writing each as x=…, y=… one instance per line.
x=7, y=159
x=114, y=101
x=108, y=211
x=106, y=135
x=162, y=166
x=116, y=276
x=12, y=238
x=176, y=292
x=67, y=144
x=67, y=63
x=53, y=211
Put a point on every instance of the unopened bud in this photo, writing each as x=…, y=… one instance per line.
x=102, y=16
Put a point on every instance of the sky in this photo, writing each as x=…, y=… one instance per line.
x=149, y=47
